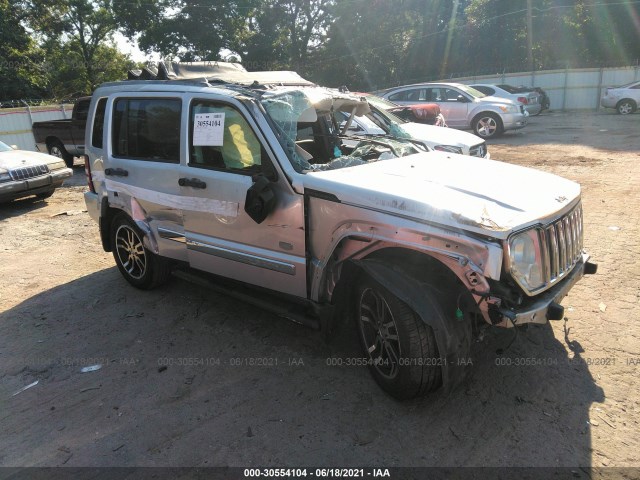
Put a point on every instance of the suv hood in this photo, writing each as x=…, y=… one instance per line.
x=441, y=135
x=470, y=193
x=23, y=158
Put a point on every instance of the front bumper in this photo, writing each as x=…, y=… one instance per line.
x=515, y=121
x=546, y=306
x=15, y=189
x=609, y=102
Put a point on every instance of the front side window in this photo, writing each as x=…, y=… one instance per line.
x=147, y=129
x=221, y=138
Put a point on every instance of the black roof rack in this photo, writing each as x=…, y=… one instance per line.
x=218, y=73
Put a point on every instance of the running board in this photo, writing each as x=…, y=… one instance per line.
x=256, y=297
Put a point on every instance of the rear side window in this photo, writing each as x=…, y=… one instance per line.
x=98, y=123
x=147, y=129
x=414, y=95
x=485, y=90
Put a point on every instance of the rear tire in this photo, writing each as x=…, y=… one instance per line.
x=56, y=149
x=140, y=267
x=487, y=125
x=626, y=106
x=400, y=348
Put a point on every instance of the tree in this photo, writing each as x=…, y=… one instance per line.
x=20, y=58
x=67, y=79
x=82, y=26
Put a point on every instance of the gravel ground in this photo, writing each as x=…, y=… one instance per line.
x=64, y=305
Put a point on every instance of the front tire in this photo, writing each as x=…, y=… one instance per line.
x=140, y=267
x=625, y=107
x=487, y=125
x=56, y=149
x=401, y=349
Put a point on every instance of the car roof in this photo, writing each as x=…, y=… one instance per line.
x=426, y=84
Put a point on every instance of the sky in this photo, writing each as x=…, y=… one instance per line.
x=127, y=46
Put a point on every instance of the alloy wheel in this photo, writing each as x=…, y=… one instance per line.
x=487, y=126
x=130, y=251
x=379, y=333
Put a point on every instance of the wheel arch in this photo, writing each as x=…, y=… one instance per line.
x=630, y=100
x=426, y=285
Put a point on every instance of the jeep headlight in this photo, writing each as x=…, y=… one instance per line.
x=5, y=176
x=509, y=108
x=525, y=260
x=448, y=148
x=57, y=165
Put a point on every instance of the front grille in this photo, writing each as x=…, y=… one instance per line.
x=478, y=150
x=24, y=173
x=562, y=245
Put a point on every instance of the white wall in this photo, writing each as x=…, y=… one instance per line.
x=567, y=89
x=15, y=123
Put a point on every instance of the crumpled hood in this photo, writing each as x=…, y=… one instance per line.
x=23, y=158
x=475, y=194
x=441, y=135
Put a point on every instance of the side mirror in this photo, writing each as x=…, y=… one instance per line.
x=260, y=199
x=462, y=99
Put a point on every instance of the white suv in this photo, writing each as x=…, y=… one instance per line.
x=252, y=191
x=464, y=107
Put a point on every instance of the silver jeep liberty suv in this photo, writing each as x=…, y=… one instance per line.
x=241, y=181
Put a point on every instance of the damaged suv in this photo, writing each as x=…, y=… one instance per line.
x=244, y=181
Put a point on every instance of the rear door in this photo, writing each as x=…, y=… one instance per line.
x=143, y=164
x=227, y=154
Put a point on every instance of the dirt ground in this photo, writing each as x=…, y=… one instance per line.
x=64, y=306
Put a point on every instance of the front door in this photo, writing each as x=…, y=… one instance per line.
x=227, y=152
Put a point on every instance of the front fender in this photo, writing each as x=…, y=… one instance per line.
x=453, y=335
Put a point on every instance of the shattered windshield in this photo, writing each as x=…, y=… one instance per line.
x=308, y=121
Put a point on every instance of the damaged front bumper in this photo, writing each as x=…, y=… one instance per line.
x=546, y=306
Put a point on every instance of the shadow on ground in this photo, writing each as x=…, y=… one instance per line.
x=191, y=378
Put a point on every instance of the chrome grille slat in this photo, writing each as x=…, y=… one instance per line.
x=562, y=245
x=25, y=173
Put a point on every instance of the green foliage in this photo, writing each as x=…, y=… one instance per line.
x=20, y=72
x=68, y=74
x=63, y=47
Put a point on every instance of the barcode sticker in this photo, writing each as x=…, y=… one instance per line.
x=208, y=129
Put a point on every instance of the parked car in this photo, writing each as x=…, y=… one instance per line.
x=545, y=101
x=625, y=99
x=428, y=113
x=64, y=138
x=380, y=121
x=253, y=183
x=23, y=174
x=530, y=99
x=464, y=107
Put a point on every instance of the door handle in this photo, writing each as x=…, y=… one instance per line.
x=116, y=172
x=192, y=182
